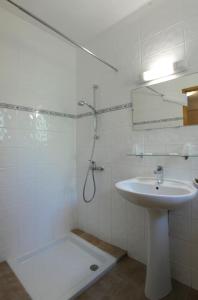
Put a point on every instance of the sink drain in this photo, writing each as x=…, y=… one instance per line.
x=94, y=267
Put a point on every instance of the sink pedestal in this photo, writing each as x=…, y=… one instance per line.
x=158, y=278
x=158, y=199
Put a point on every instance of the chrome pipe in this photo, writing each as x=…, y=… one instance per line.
x=68, y=39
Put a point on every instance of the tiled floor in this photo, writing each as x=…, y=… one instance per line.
x=117, y=252
x=10, y=287
x=126, y=282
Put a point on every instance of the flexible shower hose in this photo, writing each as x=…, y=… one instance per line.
x=92, y=170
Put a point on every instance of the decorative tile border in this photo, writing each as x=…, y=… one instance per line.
x=106, y=110
x=59, y=114
x=78, y=116
x=157, y=121
x=33, y=110
x=73, y=116
x=114, y=108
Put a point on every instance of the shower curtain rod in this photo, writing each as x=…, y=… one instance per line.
x=62, y=35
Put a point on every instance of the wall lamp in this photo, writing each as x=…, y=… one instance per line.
x=163, y=68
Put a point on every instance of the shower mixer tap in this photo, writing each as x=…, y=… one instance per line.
x=94, y=167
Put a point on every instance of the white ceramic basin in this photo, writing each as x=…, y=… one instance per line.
x=146, y=192
x=158, y=199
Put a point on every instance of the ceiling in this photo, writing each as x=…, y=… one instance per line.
x=82, y=20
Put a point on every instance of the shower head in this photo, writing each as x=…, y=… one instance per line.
x=82, y=103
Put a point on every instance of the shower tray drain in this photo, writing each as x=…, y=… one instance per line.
x=94, y=267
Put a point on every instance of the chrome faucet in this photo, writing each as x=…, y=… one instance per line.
x=94, y=167
x=159, y=172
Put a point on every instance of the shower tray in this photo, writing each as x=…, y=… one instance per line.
x=61, y=270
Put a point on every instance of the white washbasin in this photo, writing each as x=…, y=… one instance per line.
x=157, y=199
x=146, y=192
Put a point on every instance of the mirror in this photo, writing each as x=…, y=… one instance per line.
x=171, y=103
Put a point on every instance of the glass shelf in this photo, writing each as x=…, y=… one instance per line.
x=162, y=155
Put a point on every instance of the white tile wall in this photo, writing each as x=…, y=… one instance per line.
x=37, y=152
x=37, y=181
x=161, y=28
x=40, y=68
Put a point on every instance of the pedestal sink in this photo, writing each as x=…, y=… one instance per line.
x=158, y=199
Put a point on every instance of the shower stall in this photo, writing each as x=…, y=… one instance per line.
x=37, y=162
x=62, y=269
x=92, y=166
